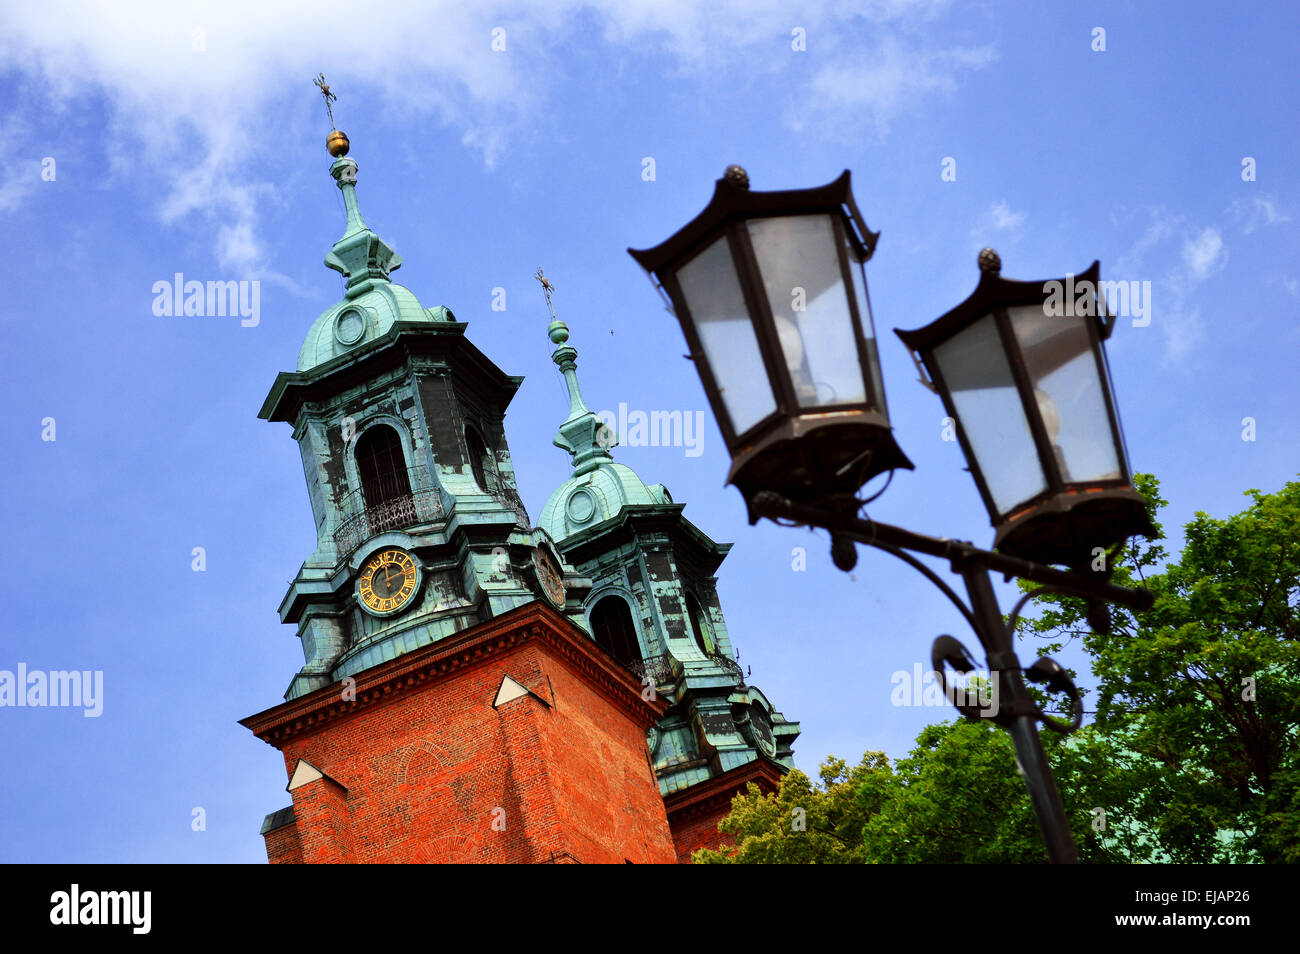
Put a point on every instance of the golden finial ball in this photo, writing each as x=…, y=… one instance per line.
x=337, y=143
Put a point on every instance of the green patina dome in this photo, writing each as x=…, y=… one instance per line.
x=584, y=501
x=599, y=487
x=349, y=324
x=372, y=302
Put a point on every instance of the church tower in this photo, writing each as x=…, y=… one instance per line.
x=474, y=688
x=399, y=419
x=451, y=706
x=654, y=607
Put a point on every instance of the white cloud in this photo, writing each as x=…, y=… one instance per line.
x=1159, y=228
x=1250, y=214
x=701, y=32
x=1203, y=254
x=16, y=188
x=1186, y=255
x=192, y=118
x=998, y=218
x=883, y=83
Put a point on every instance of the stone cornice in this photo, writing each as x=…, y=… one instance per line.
x=404, y=343
x=707, y=798
x=411, y=672
x=634, y=520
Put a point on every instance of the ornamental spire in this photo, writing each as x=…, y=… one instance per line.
x=582, y=434
x=361, y=255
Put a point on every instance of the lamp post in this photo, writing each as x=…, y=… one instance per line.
x=770, y=290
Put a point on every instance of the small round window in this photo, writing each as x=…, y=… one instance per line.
x=581, y=506
x=349, y=327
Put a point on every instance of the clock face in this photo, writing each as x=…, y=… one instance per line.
x=387, y=582
x=762, y=729
x=549, y=577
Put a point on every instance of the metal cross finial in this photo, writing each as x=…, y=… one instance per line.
x=547, y=288
x=328, y=94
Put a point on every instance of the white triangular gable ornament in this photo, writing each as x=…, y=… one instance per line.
x=509, y=692
x=303, y=773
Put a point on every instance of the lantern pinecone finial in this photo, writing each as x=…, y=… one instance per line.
x=736, y=176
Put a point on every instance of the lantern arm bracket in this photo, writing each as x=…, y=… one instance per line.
x=958, y=553
x=995, y=635
x=932, y=577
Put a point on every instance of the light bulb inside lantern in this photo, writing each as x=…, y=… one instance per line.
x=787, y=332
x=1051, y=416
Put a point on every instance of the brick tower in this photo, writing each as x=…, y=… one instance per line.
x=454, y=704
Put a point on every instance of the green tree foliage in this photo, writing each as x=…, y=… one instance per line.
x=1193, y=756
x=1199, y=695
x=804, y=823
x=956, y=798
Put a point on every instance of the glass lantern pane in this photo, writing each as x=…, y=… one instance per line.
x=800, y=266
x=1058, y=354
x=974, y=367
x=726, y=333
x=858, y=271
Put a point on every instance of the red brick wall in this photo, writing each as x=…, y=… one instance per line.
x=700, y=832
x=695, y=812
x=427, y=773
x=322, y=822
x=606, y=794
x=283, y=847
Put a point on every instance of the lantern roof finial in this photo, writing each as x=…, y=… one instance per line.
x=736, y=176
x=990, y=261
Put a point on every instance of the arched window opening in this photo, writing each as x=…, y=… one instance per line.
x=478, y=456
x=698, y=627
x=611, y=624
x=382, y=466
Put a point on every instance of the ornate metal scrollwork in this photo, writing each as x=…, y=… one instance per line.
x=947, y=649
x=1014, y=708
x=1045, y=671
x=1048, y=672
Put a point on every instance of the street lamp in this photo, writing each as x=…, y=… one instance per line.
x=770, y=289
x=771, y=294
x=1022, y=371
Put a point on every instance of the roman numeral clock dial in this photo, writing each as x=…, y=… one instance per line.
x=387, y=582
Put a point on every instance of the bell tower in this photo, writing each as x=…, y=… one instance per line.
x=653, y=605
x=420, y=528
x=475, y=688
x=451, y=706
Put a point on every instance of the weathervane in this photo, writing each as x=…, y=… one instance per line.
x=337, y=141
x=547, y=288
x=325, y=91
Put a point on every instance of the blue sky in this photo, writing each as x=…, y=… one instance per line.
x=188, y=138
